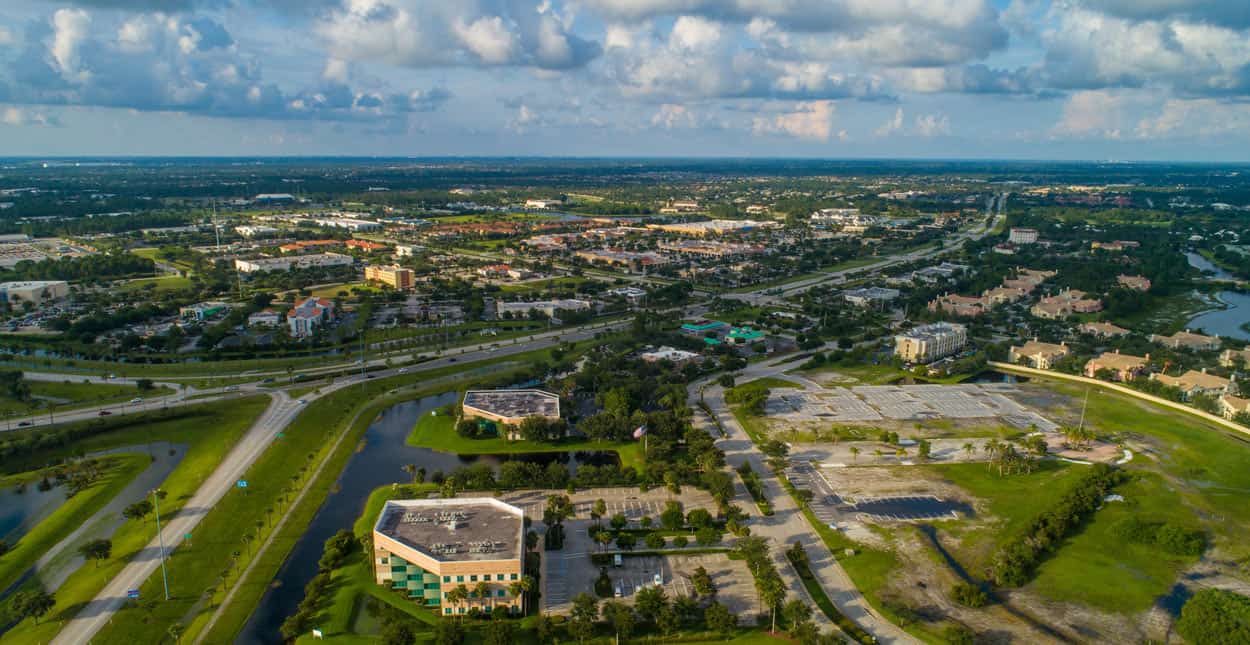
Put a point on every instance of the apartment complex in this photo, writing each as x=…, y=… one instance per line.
x=307, y=316
x=1038, y=355
x=930, y=342
x=429, y=547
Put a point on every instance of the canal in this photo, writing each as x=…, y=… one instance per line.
x=378, y=463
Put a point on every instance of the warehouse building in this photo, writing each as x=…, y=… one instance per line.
x=34, y=291
x=427, y=548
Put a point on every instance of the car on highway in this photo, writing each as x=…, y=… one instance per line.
x=104, y=413
x=302, y=401
x=403, y=370
x=451, y=359
x=137, y=399
x=24, y=424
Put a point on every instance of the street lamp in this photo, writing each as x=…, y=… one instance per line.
x=160, y=537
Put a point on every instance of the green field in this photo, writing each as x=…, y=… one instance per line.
x=119, y=470
x=332, y=290
x=69, y=395
x=158, y=285
x=209, y=431
x=439, y=433
x=773, y=382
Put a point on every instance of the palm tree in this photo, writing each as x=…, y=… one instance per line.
x=517, y=589
x=482, y=590
x=969, y=448
x=411, y=469
x=854, y=453
x=877, y=453
x=458, y=595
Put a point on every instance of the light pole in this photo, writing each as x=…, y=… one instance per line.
x=156, y=503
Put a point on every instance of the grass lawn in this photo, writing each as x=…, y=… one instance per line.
x=158, y=285
x=69, y=395
x=1013, y=501
x=118, y=469
x=566, y=283
x=332, y=291
x=209, y=433
x=1106, y=572
x=773, y=382
x=439, y=433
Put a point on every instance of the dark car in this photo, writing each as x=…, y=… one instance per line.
x=23, y=424
x=104, y=413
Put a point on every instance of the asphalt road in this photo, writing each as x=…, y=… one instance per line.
x=277, y=416
x=787, y=524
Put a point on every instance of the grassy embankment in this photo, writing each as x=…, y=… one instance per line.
x=350, y=410
x=119, y=470
x=209, y=431
x=439, y=433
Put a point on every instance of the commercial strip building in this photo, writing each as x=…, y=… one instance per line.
x=547, y=307
x=712, y=227
x=426, y=548
x=395, y=277
x=297, y=262
x=34, y=291
x=930, y=342
x=671, y=354
x=1022, y=236
x=869, y=296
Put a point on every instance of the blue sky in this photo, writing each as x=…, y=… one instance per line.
x=1073, y=79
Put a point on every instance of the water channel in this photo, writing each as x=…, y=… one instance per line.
x=378, y=463
x=1227, y=321
x=22, y=511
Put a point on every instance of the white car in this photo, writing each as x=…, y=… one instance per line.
x=137, y=399
x=403, y=370
x=658, y=580
x=302, y=401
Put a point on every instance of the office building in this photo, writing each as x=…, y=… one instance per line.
x=930, y=342
x=395, y=277
x=429, y=547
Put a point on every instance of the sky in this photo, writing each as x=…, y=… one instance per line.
x=1015, y=79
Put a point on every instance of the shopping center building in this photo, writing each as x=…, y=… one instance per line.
x=428, y=547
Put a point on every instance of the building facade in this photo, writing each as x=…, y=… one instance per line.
x=429, y=548
x=930, y=342
x=396, y=277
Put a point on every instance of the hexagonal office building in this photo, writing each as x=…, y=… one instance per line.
x=428, y=547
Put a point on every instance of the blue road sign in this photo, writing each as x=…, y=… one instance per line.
x=132, y=594
x=242, y=483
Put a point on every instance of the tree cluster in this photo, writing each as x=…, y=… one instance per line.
x=1014, y=563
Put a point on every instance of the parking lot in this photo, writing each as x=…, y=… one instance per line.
x=569, y=571
x=734, y=585
x=865, y=403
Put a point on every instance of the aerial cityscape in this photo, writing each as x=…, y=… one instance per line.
x=624, y=321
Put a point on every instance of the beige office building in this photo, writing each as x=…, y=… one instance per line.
x=425, y=548
x=930, y=342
